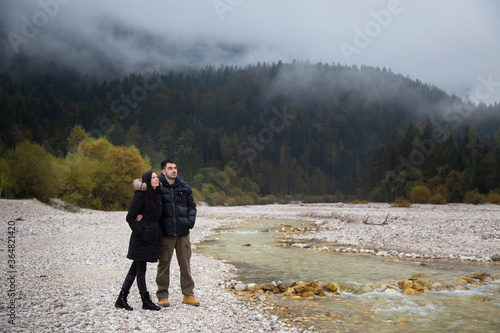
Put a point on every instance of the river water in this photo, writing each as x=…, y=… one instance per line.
x=361, y=306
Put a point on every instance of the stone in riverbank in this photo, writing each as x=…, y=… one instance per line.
x=302, y=290
x=414, y=286
x=294, y=290
x=410, y=287
x=393, y=253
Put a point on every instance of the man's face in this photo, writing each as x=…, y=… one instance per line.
x=170, y=171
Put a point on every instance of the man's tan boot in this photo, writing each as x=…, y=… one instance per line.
x=190, y=300
x=164, y=302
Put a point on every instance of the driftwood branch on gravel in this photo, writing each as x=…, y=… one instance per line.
x=371, y=223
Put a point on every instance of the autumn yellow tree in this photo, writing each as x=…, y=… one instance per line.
x=120, y=166
x=76, y=136
x=98, y=174
x=34, y=173
x=420, y=194
x=79, y=173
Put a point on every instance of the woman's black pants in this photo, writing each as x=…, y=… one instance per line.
x=137, y=269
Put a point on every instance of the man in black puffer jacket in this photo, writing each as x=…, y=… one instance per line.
x=178, y=217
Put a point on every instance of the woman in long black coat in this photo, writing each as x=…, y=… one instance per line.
x=145, y=238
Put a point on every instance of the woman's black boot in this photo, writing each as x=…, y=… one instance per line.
x=121, y=302
x=147, y=303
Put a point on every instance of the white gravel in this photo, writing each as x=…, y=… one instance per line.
x=69, y=266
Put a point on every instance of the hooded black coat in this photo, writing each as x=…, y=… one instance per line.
x=146, y=234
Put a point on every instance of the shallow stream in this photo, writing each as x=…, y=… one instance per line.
x=362, y=306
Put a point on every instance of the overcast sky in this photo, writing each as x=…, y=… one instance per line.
x=453, y=44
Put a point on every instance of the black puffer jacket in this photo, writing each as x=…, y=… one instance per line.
x=146, y=234
x=179, y=208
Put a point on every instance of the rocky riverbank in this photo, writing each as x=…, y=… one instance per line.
x=68, y=267
x=453, y=231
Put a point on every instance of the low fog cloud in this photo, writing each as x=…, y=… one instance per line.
x=450, y=44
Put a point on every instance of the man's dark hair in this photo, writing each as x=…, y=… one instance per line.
x=164, y=163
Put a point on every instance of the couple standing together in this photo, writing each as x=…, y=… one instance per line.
x=161, y=214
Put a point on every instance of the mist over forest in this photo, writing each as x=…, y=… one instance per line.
x=243, y=127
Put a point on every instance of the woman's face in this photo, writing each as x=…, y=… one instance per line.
x=155, y=181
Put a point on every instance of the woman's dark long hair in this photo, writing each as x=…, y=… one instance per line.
x=151, y=194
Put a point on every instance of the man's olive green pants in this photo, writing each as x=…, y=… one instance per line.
x=182, y=247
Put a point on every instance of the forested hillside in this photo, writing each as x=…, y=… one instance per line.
x=311, y=132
